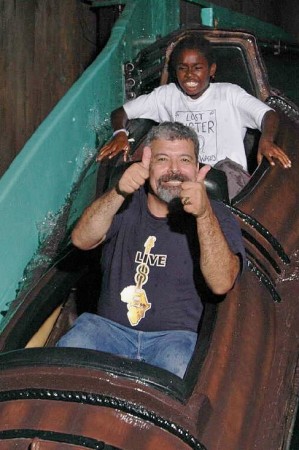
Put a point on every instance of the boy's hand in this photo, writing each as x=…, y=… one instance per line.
x=271, y=151
x=116, y=145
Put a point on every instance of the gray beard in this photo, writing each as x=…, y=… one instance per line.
x=168, y=194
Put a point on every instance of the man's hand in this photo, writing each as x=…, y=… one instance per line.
x=219, y=265
x=271, y=151
x=116, y=145
x=193, y=194
x=136, y=175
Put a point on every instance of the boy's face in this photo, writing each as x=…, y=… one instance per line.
x=193, y=72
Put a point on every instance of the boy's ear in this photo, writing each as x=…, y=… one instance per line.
x=213, y=69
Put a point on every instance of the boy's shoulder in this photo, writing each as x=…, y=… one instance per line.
x=227, y=87
x=170, y=87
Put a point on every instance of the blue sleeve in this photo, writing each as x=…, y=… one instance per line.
x=231, y=230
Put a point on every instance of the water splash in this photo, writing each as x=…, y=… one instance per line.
x=97, y=123
x=46, y=226
x=84, y=160
x=290, y=272
x=52, y=237
x=94, y=119
x=55, y=228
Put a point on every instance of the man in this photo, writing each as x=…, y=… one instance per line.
x=164, y=243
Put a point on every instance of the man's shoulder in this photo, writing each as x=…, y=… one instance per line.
x=217, y=204
x=131, y=209
x=221, y=210
x=229, y=226
x=136, y=201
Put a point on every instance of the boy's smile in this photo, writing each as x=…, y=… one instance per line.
x=193, y=72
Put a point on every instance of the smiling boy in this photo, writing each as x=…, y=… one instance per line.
x=220, y=113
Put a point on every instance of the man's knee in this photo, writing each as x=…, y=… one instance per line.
x=81, y=335
x=176, y=354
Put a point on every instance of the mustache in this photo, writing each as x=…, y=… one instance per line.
x=173, y=177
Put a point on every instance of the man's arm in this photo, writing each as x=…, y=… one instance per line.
x=267, y=148
x=219, y=265
x=119, y=141
x=96, y=220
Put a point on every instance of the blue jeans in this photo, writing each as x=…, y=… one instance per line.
x=170, y=350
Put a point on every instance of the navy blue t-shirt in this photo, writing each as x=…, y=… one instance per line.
x=151, y=279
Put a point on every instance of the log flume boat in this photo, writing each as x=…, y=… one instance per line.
x=240, y=391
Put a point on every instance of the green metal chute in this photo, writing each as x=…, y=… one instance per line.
x=41, y=180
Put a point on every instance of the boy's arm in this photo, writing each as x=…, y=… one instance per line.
x=267, y=148
x=119, y=142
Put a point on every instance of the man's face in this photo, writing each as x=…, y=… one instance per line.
x=172, y=163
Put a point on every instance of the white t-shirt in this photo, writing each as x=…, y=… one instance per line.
x=220, y=117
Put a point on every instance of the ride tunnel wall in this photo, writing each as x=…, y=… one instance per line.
x=38, y=183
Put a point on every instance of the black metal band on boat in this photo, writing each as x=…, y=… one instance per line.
x=256, y=262
x=261, y=249
x=104, y=401
x=263, y=232
x=285, y=107
x=265, y=280
x=52, y=436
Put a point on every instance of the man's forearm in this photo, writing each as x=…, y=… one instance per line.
x=219, y=265
x=96, y=220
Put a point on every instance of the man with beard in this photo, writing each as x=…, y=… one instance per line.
x=164, y=244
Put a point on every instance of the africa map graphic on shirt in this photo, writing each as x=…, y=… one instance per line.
x=134, y=295
x=204, y=124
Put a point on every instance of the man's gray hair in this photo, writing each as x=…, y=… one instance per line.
x=173, y=131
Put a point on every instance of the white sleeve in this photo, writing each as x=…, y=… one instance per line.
x=143, y=107
x=251, y=109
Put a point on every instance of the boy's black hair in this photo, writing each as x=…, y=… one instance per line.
x=191, y=42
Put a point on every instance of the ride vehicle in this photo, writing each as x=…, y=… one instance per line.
x=241, y=388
